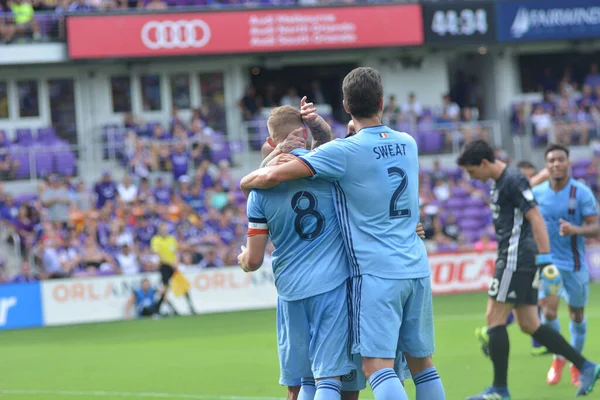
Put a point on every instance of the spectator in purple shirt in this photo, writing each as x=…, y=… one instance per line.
x=593, y=78
x=9, y=210
x=162, y=193
x=145, y=231
x=211, y=260
x=203, y=176
x=225, y=227
x=105, y=190
x=180, y=160
x=25, y=276
x=587, y=96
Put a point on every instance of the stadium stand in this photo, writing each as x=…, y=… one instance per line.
x=566, y=112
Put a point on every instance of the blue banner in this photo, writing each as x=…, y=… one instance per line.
x=20, y=305
x=547, y=20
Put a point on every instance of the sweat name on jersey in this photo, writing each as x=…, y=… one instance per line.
x=389, y=150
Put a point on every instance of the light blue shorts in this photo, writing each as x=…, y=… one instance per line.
x=392, y=315
x=312, y=335
x=575, y=288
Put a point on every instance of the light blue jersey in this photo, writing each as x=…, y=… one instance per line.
x=299, y=216
x=375, y=174
x=573, y=203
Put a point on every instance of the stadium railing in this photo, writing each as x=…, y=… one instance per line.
x=433, y=138
x=522, y=125
x=110, y=145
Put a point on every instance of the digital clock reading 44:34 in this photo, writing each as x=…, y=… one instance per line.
x=465, y=22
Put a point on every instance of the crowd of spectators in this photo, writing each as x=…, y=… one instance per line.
x=568, y=112
x=176, y=150
x=68, y=229
x=437, y=129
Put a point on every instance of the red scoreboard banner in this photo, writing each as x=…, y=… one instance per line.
x=255, y=31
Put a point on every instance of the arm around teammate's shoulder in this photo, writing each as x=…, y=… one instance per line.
x=269, y=177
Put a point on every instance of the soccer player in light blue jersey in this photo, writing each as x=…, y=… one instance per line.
x=375, y=173
x=311, y=272
x=295, y=142
x=570, y=211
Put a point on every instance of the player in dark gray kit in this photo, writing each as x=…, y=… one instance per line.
x=523, y=256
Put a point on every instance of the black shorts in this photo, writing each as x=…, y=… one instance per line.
x=517, y=287
x=166, y=272
x=147, y=311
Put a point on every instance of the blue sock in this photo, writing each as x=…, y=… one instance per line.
x=578, y=332
x=554, y=324
x=387, y=386
x=308, y=389
x=429, y=385
x=328, y=389
x=510, y=319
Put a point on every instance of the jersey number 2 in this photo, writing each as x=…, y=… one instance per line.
x=304, y=211
x=394, y=212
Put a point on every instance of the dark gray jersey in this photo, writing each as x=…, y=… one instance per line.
x=511, y=199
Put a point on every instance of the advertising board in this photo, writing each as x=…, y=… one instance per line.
x=520, y=21
x=20, y=305
x=242, y=31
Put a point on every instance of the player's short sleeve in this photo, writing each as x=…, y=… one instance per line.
x=327, y=161
x=521, y=193
x=299, y=152
x=257, y=223
x=588, y=203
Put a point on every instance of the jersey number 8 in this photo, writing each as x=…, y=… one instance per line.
x=303, y=212
x=394, y=212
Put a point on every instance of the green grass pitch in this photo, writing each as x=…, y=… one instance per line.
x=233, y=356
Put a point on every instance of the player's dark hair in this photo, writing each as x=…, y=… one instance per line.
x=525, y=165
x=474, y=152
x=556, y=146
x=363, y=92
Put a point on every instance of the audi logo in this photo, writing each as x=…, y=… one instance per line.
x=175, y=34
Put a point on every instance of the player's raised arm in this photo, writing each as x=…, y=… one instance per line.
x=540, y=177
x=292, y=142
x=320, y=130
x=253, y=253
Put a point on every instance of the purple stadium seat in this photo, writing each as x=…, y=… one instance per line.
x=474, y=202
x=25, y=198
x=455, y=202
x=21, y=155
x=43, y=162
x=46, y=135
x=432, y=141
x=468, y=223
x=221, y=151
x=459, y=192
x=580, y=172
x=473, y=213
x=65, y=162
x=581, y=164
x=471, y=235
x=24, y=136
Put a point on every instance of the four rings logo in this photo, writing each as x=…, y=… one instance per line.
x=175, y=34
